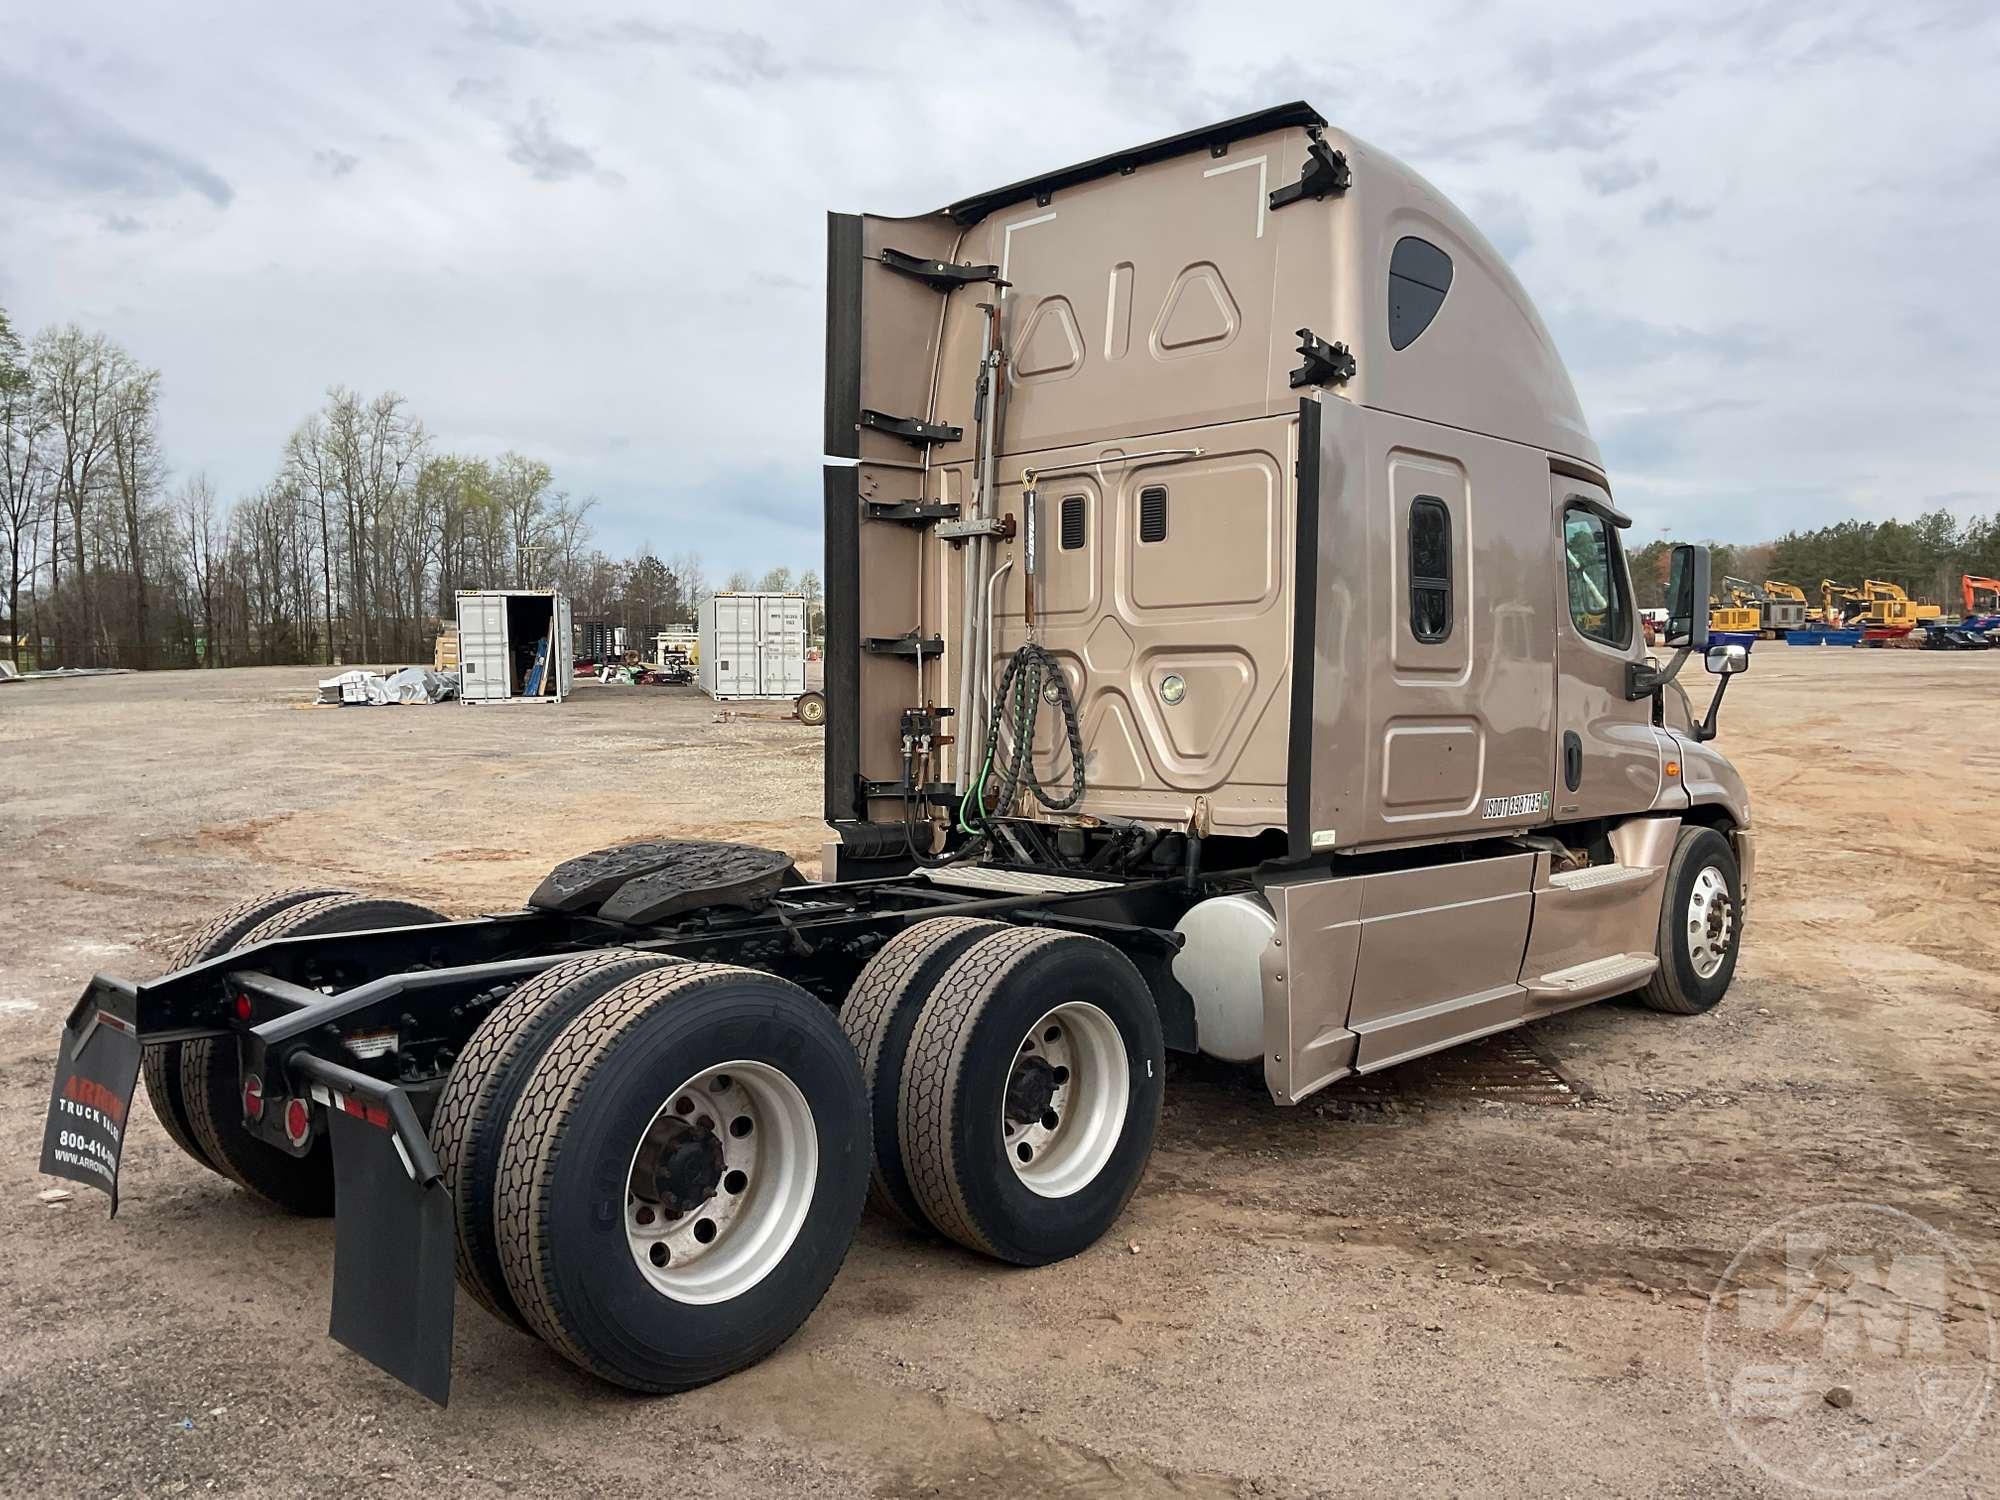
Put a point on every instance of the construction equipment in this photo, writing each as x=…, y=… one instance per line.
x=1973, y=586
x=1178, y=695
x=1840, y=602
x=1784, y=607
x=1741, y=614
x=1888, y=607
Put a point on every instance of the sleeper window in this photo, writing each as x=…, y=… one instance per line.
x=1598, y=604
x=1430, y=569
x=1419, y=277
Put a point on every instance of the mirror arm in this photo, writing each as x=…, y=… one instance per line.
x=1705, y=730
x=1643, y=679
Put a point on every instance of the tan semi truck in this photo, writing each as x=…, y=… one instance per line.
x=1230, y=648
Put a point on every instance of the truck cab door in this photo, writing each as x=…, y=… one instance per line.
x=1607, y=754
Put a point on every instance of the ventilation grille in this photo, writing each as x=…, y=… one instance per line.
x=1072, y=522
x=1153, y=514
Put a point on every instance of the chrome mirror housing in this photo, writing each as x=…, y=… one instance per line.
x=1725, y=661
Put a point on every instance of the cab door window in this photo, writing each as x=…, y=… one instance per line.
x=1599, y=605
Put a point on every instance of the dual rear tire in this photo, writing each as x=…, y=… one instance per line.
x=1015, y=1079
x=658, y=1166
x=195, y=1086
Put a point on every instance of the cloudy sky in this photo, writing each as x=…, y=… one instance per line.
x=1763, y=234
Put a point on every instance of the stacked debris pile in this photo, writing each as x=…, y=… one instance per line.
x=410, y=685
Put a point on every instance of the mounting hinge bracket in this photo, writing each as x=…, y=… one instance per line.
x=996, y=526
x=911, y=645
x=913, y=512
x=941, y=274
x=1325, y=172
x=909, y=429
x=1325, y=364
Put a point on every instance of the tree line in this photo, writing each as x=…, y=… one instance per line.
x=1925, y=557
x=351, y=551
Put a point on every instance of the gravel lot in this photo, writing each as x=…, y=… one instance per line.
x=1488, y=1272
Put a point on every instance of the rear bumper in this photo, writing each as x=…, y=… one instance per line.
x=394, y=1239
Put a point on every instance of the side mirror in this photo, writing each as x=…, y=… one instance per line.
x=1687, y=624
x=1726, y=661
x=1687, y=598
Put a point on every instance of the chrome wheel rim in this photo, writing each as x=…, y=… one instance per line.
x=1067, y=1094
x=1711, y=922
x=720, y=1182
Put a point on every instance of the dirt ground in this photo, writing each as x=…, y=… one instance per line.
x=1486, y=1273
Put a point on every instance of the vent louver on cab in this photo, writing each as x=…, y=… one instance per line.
x=1153, y=513
x=1072, y=522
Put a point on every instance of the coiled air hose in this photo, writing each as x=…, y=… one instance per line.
x=1017, y=701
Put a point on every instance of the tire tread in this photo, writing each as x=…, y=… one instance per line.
x=1662, y=991
x=933, y=1153
x=880, y=991
x=512, y=1035
x=542, y=1118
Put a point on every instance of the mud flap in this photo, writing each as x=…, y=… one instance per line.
x=97, y=1068
x=393, y=1283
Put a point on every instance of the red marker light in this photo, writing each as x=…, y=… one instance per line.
x=242, y=1007
x=298, y=1121
x=253, y=1098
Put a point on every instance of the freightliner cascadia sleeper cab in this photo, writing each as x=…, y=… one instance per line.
x=1230, y=648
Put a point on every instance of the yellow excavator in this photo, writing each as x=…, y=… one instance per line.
x=1832, y=597
x=1889, y=608
x=1744, y=611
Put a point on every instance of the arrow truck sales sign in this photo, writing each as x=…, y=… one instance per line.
x=95, y=1075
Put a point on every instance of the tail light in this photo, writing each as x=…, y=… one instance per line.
x=253, y=1098
x=243, y=1007
x=298, y=1121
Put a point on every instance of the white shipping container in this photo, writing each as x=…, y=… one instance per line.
x=753, y=645
x=499, y=634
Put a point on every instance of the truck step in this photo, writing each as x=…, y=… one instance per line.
x=1610, y=975
x=1598, y=877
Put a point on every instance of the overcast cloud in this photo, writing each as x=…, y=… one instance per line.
x=1764, y=235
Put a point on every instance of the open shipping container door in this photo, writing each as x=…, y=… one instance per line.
x=483, y=648
x=562, y=648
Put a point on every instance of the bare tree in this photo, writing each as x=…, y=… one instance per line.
x=195, y=511
x=308, y=472
x=357, y=545
x=569, y=529
x=522, y=487
x=76, y=377
x=136, y=474
x=691, y=577
x=25, y=476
